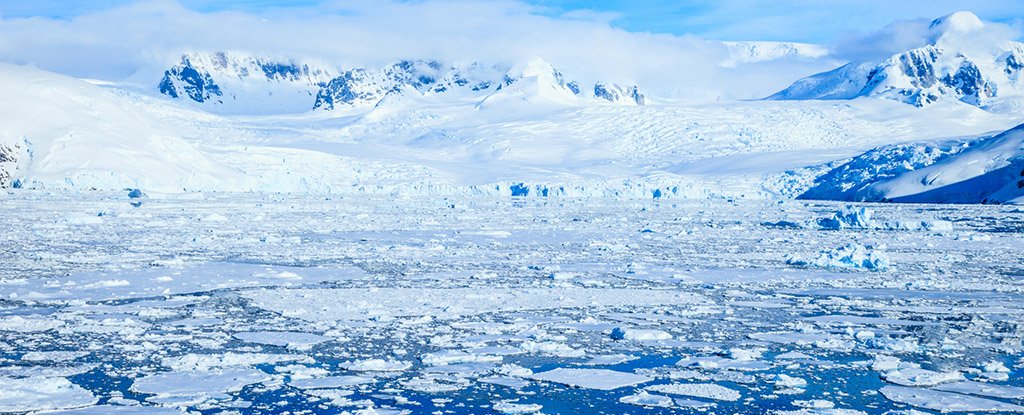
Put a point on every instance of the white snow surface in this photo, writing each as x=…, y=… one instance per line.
x=41, y=393
x=532, y=138
x=947, y=401
x=698, y=390
x=600, y=379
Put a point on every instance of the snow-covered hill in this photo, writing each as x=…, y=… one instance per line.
x=957, y=64
x=987, y=170
x=63, y=132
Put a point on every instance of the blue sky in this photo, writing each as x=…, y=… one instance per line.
x=791, y=20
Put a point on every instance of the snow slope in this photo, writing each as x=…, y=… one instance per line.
x=62, y=132
x=959, y=63
x=534, y=137
x=988, y=170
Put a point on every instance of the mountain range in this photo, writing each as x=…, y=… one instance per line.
x=238, y=83
x=950, y=67
x=230, y=121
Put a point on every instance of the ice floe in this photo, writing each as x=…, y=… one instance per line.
x=600, y=379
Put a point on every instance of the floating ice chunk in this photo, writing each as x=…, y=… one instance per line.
x=462, y=368
x=783, y=224
x=551, y=349
x=200, y=362
x=912, y=376
x=330, y=382
x=995, y=371
x=793, y=356
x=191, y=386
x=611, y=359
x=926, y=225
x=53, y=356
x=787, y=337
x=509, y=407
x=640, y=335
x=852, y=256
x=506, y=381
x=717, y=362
x=436, y=383
x=746, y=354
x=29, y=324
x=983, y=389
x=45, y=371
x=376, y=365
x=288, y=275
x=789, y=383
x=815, y=404
x=884, y=363
x=41, y=393
x=698, y=390
x=945, y=401
x=600, y=379
x=115, y=410
x=849, y=218
x=512, y=369
x=449, y=357
x=693, y=403
x=648, y=400
x=290, y=339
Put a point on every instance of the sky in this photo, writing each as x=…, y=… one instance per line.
x=659, y=44
x=816, y=21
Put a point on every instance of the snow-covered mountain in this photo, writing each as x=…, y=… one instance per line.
x=531, y=80
x=987, y=170
x=63, y=132
x=753, y=52
x=952, y=66
x=235, y=83
x=244, y=84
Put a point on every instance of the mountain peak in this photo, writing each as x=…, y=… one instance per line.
x=959, y=22
x=950, y=67
x=533, y=67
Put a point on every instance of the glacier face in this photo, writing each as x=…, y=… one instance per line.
x=948, y=68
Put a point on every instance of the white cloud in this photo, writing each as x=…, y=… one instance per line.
x=908, y=34
x=139, y=40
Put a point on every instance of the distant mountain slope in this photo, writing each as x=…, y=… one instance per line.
x=754, y=52
x=60, y=132
x=234, y=83
x=989, y=170
x=239, y=83
x=948, y=68
x=535, y=80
